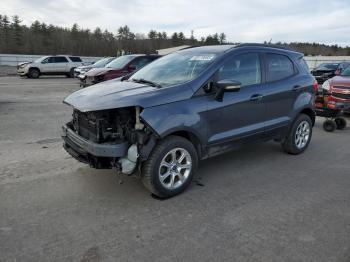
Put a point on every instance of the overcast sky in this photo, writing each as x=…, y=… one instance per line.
x=324, y=21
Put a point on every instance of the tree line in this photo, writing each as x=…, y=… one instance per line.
x=42, y=38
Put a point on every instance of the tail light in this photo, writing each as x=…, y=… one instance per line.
x=315, y=86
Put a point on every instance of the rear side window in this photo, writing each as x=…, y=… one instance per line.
x=75, y=59
x=303, y=65
x=244, y=68
x=278, y=67
x=60, y=59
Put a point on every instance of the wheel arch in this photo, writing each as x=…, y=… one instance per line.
x=190, y=136
x=309, y=112
x=34, y=67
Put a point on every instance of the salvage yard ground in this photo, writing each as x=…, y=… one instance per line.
x=255, y=204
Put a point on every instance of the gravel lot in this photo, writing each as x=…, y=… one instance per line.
x=255, y=204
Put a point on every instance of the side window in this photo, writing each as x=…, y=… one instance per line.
x=60, y=59
x=50, y=60
x=278, y=67
x=75, y=59
x=244, y=68
x=303, y=65
x=140, y=62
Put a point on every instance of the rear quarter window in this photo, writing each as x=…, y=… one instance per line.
x=75, y=59
x=278, y=67
x=303, y=66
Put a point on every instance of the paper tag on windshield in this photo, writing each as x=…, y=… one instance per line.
x=202, y=58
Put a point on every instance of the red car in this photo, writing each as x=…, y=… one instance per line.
x=333, y=99
x=119, y=67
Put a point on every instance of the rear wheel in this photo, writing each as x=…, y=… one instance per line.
x=71, y=73
x=299, y=135
x=340, y=122
x=170, y=167
x=33, y=73
x=329, y=125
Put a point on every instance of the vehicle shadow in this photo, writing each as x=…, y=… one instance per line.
x=226, y=167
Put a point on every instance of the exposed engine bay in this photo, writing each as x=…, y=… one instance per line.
x=112, y=127
x=109, y=126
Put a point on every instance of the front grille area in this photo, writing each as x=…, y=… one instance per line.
x=341, y=96
x=86, y=125
x=106, y=126
x=342, y=87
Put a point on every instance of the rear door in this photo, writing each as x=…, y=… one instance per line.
x=281, y=90
x=60, y=64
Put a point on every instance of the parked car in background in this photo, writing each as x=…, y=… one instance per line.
x=50, y=65
x=191, y=105
x=326, y=71
x=338, y=90
x=118, y=67
x=100, y=63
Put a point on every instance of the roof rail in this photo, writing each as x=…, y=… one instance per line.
x=265, y=45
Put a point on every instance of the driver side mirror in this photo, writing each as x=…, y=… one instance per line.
x=226, y=85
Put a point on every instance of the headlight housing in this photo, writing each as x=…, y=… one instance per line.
x=326, y=85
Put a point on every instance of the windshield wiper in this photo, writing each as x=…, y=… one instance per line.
x=144, y=81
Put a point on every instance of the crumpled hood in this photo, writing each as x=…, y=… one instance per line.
x=340, y=81
x=99, y=71
x=113, y=94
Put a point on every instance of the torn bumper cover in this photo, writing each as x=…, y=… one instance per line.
x=89, y=152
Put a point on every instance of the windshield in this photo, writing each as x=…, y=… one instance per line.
x=102, y=62
x=327, y=67
x=175, y=68
x=120, y=62
x=40, y=59
x=346, y=72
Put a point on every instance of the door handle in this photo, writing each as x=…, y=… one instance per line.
x=297, y=88
x=256, y=97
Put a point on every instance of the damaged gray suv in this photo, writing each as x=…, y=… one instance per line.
x=190, y=105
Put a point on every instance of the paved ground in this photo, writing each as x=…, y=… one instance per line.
x=7, y=70
x=256, y=204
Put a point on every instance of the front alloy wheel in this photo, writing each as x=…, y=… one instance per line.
x=175, y=168
x=169, y=169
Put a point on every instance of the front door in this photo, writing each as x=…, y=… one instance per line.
x=241, y=115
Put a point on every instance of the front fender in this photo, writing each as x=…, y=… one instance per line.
x=179, y=116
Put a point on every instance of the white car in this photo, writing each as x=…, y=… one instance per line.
x=50, y=65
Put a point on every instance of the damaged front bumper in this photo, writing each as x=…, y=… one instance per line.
x=97, y=155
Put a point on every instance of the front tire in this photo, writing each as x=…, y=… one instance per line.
x=33, y=73
x=299, y=136
x=170, y=167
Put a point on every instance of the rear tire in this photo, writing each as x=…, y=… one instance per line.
x=299, y=135
x=33, y=73
x=170, y=167
x=329, y=125
x=71, y=73
x=340, y=122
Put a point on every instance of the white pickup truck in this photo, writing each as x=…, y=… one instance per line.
x=50, y=65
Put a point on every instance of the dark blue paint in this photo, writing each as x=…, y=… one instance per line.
x=253, y=113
